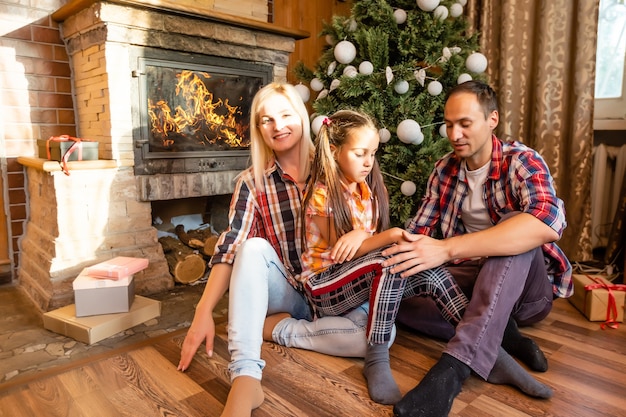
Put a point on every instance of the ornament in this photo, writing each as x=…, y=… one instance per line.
x=352, y=25
x=420, y=76
x=345, y=52
x=446, y=54
x=462, y=2
x=476, y=62
x=463, y=77
x=350, y=71
x=304, y=92
x=419, y=138
x=408, y=131
x=384, y=135
x=456, y=10
x=400, y=16
x=334, y=84
x=366, y=68
x=322, y=94
x=441, y=13
x=435, y=88
x=442, y=131
x=389, y=75
x=401, y=87
x=455, y=49
x=331, y=68
x=316, y=124
x=408, y=188
x=427, y=5
x=317, y=84
x=329, y=39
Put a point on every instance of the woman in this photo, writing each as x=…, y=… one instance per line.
x=258, y=256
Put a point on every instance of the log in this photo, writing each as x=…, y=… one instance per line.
x=202, y=239
x=185, y=264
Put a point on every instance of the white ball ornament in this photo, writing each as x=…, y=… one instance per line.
x=409, y=131
x=345, y=52
x=419, y=138
x=304, y=92
x=441, y=12
x=317, y=84
x=400, y=16
x=442, y=131
x=401, y=87
x=350, y=71
x=366, y=68
x=427, y=5
x=316, y=124
x=462, y=2
x=463, y=78
x=435, y=88
x=456, y=10
x=408, y=188
x=476, y=62
x=384, y=135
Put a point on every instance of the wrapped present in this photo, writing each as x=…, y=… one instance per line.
x=67, y=148
x=94, y=296
x=598, y=299
x=116, y=268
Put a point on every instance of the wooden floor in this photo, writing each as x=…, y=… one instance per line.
x=587, y=371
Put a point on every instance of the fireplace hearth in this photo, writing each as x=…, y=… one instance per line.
x=124, y=53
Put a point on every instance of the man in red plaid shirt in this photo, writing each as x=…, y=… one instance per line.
x=491, y=215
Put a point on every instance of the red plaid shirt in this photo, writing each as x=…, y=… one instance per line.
x=518, y=180
x=274, y=216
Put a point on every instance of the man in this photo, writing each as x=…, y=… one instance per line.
x=495, y=207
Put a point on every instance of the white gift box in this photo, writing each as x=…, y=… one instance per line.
x=94, y=296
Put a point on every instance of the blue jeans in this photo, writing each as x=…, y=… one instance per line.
x=259, y=287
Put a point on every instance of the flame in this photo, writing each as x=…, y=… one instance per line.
x=214, y=120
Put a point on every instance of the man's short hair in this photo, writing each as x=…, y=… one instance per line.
x=486, y=96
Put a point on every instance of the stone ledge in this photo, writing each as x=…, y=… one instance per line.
x=53, y=166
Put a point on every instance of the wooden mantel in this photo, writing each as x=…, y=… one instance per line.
x=186, y=8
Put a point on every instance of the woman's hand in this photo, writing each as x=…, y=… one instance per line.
x=202, y=329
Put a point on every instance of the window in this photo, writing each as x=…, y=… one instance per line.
x=610, y=93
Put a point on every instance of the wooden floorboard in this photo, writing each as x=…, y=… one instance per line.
x=587, y=371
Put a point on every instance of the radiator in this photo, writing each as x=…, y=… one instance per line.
x=609, y=168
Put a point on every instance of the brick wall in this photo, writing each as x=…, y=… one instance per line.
x=36, y=100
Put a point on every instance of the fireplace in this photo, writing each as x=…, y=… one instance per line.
x=193, y=111
x=123, y=55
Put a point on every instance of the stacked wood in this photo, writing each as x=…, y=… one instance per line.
x=202, y=239
x=185, y=263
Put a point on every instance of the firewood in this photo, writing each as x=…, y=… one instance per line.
x=185, y=264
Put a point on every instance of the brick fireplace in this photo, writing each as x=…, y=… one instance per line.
x=103, y=208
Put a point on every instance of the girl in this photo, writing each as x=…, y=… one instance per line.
x=346, y=220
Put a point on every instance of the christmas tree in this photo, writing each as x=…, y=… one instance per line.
x=395, y=60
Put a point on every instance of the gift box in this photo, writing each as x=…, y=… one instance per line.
x=597, y=298
x=94, y=296
x=116, y=268
x=54, y=151
x=92, y=329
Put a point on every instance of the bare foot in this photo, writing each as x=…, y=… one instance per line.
x=270, y=323
x=245, y=395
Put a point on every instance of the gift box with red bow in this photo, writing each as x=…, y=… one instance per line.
x=598, y=299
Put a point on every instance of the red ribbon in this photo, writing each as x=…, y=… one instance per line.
x=611, y=310
x=76, y=145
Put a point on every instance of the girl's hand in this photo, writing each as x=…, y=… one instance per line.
x=347, y=245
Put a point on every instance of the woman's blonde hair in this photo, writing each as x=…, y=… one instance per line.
x=262, y=155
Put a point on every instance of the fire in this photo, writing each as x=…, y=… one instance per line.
x=197, y=115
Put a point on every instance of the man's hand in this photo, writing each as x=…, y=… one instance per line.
x=202, y=329
x=417, y=253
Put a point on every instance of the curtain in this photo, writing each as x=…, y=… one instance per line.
x=541, y=58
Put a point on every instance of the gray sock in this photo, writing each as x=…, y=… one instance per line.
x=507, y=371
x=380, y=383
